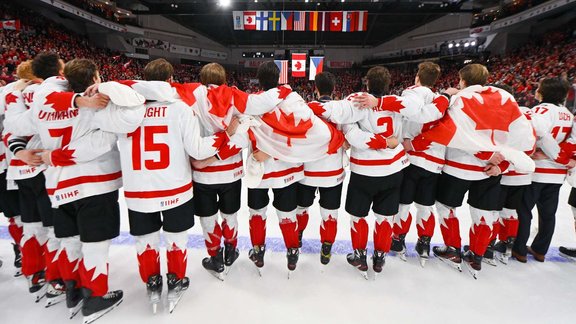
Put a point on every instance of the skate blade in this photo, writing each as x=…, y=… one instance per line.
x=452, y=264
x=503, y=258
x=491, y=262
x=472, y=271
x=74, y=311
x=227, y=270
x=571, y=258
x=402, y=256
x=154, y=308
x=51, y=301
x=93, y=317
x=219, y=276
x=422, y=261
x=172, y=303
x=40, y=293
x=18, y=273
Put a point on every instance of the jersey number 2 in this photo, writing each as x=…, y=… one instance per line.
x=149, y=146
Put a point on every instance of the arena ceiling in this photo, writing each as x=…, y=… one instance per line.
x=387, y=19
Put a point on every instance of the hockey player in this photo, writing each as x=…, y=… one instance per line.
x=326, y=176
x=85, y=193
x=218, y=187
x=548, y=117
x=39, y=243
x=466, y=172
x=421, y=176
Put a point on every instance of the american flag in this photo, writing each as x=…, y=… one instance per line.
x=299, y=20
x=283, y=66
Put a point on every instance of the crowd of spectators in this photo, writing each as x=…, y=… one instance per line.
x=552, y=55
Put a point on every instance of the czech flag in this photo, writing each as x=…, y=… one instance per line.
x=316, y=66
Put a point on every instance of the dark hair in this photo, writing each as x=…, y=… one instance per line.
x=502, y=86
x=428, y=73
x=158, y=70
x=378, y=79
x=213, y=73
x=268, y=75
x=325, y=83
x=554, y=90
x=80, y=74
x=474, y=74
x=46, y=65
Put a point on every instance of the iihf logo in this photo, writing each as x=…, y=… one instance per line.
x=57, y=197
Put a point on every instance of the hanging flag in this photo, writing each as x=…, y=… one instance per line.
x=287, y=20
x=238, y=20
x=336, y=21
x=362, y=21
x=249, y=20
x=299, y=20
x=350, y=24
x=273, y=20
x=283, y=66
x=10, y=24
x=313, y=20
x=325, y=22
x=298, y=65
x=262, y=20
x=316, y=66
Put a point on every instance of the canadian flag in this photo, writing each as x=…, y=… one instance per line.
x=10, y=24
x=298, y=65
x=249, y=20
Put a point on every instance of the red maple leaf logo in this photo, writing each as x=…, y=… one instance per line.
x=11, y=98
x=228, y=150
x=441, y=103
x=298, y=65
x=491, y=114
x=317, y=108
x=221, y=100
x=392, y=103
x=59, y=101
x=249, y=20
x=283, y=92
x=186, y=92
x=377, y=142
x=62, y=157
x=285, y=125
x=220, y=139
x=129, y=83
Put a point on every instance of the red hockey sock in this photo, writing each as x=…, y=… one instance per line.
x=511, y=225
x=257, y=230
x=69, y=268
x=480, y=235
x=289, y=230
x=148, y=263
x=426, y=227
x=402, y=226
x=495, y=230
x=382, y=236
x=52, y=267
x=451, y=231
x=328, y=229
x=213, y=243
x=16, y=231
x=176, y=261
x=95, y=278
x=359, y=233
x=32, y=256
x=302, y=220
x=230, y=234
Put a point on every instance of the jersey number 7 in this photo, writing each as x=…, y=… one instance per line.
x=149, y=146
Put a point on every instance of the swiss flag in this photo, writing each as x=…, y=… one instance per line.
x=298, y=65
x=249, y=20
x=336, y=21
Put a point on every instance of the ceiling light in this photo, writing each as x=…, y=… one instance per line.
x=466, y=44
x=224, y=3
x=473, y=43
x=450, y=45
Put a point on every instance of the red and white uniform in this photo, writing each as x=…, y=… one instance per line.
x=431, y=159
x=3, y=149
x=557, y=121
x=512, y=178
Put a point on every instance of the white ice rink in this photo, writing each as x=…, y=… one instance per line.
x=403, y=293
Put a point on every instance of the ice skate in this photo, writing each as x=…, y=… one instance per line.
x=231, y=254
x=37, y=285
x=357, y=259
x=176, y=288
x=154, y=291
x=96, y=307
x=423, y=249
x=399, y=246
x=292, y=258
x=300, y=234
x=488, y=257
x=74, y=299
x=503, y=250
x=473, y=263
x=568, y=253
x=55, y=293
x=215, y=265
x=17, y=260
x=256, y=254
x=325, y=253
x=378, y=261
x=450, y=255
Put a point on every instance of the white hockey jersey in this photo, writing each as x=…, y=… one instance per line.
x=431, y=159
x=60, y=127
x=4, y=91
x=550, y=119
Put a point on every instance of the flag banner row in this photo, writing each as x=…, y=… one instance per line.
x=327, y=21
x=299, y=67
